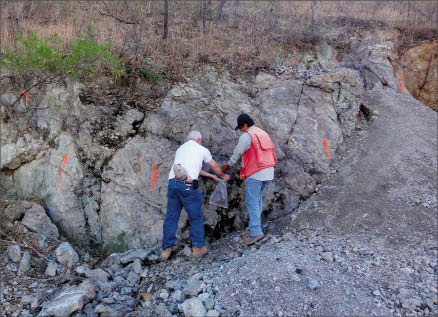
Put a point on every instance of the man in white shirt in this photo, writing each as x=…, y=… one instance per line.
x=183, y=192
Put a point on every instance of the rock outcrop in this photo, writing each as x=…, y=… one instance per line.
x=420, y=72
x=100, y=166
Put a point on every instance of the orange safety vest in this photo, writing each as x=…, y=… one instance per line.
x=260, y=154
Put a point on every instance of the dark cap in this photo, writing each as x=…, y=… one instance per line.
x=242, y=119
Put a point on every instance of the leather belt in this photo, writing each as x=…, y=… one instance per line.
x=182, y=181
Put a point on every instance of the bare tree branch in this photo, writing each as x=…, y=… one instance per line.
x=117, y=18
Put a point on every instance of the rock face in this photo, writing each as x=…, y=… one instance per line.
x=100, y=166
x=420, y=73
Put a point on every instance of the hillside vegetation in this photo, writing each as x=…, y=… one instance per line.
x=241, y=35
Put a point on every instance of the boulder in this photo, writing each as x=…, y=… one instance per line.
x=68, y=300
x=193, y=308
x=420, y=73
x=66, y=255
x=37, y=220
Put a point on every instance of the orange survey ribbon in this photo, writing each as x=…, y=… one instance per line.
x=334, y=57
x=400, y=82
x=295, y=61
x=26, y=96
x=154, y=176
x=324, y=144
x=62, y=171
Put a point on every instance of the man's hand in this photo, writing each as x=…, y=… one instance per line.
x=225, y=167
x=215, y=178
x=226, y=177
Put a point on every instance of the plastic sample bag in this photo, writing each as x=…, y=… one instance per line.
x=219, y=197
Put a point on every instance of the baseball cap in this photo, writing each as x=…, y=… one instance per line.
x=242, y=119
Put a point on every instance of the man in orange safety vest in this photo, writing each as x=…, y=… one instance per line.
x=258, y=161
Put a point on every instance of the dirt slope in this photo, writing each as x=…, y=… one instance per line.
x=387, y=184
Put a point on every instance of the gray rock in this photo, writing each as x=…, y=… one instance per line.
x=161, y=310
x=119, y=280
x=82, y=269
x=327, y=256
x=187, y=251
x=125, y=290
x=377, y=293
x=14, y=211
x=193, y=308
x=136, y=267
x=295, y=278
x=97, y=274
x=313, y=284
x=69, y=300
x=194, y=287
x=66, y=255
x=407, y=270
x=51, y=269
x=133, y=278
x=104, y=309
x=203, y=297
x=28, y=299
x=178, y=296
x=174, y=285
x=42, y=242
x=14, y=253
x=112, y=259
x=209, y=303
x=213, y=313
x=144, y=273
x=86, y=257
x=37, y=220
x=164, y=294
x=131, y=255
x=24, y=263
x=12, y=267
x=410, y=303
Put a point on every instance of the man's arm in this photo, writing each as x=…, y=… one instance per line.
x=217, y=169
x=206, y=174
x=241, y=147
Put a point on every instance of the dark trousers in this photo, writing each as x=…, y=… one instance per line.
x=181, y=195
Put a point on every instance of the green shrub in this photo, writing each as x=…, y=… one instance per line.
x=81, y=58
x=150, y=75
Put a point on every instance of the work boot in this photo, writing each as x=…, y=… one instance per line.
x=197, y=252
x=166, y=253
x=251, y=240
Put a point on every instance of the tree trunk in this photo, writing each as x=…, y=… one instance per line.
x=204, y=9
x=313, y=7
x=219, y=9
x=166, y=19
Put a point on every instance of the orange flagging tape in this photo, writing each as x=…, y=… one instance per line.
x=402, y=88
x=154, y=176
x=334, y=57
x=62, y=170
x=295, y=61
x=324, y=143
x=26, y=96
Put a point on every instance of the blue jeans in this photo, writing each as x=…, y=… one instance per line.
x=254, y=204
x=181, y=195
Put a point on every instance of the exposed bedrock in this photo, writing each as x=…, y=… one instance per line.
x=99, y=166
